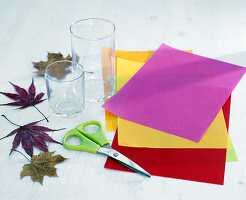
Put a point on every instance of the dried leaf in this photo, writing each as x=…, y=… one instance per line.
x=31, y=135
x=59, y=72
x=41, y=165
x=24, y=99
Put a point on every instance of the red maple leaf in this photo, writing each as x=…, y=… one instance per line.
x=30, y=135
x=24, y=99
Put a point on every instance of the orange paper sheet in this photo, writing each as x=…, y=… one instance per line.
x=139, y=56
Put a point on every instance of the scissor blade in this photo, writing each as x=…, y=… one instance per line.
x=123, y=160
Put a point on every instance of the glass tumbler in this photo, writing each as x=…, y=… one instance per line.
x=65, y=87
x=93, y=46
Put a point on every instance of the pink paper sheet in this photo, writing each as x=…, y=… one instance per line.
x=176, y=92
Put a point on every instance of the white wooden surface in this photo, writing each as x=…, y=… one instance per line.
x=30, y=28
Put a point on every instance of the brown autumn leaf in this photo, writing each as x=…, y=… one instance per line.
x=41, y=165
x=59, y=72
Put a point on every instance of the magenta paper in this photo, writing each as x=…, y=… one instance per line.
x=176, y=92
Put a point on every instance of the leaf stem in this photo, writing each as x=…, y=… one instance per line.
x=3, y=137
x=41, y=113
x=11, y=121
x=23, y=155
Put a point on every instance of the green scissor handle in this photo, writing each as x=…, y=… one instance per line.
x=98, y=137
x=86, y=144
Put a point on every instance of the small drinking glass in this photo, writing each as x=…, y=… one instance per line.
x=65, y=84
x=93, y=46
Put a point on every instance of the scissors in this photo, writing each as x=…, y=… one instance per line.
x=94, y=141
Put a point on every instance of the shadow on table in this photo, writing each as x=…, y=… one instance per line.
x=237, y=58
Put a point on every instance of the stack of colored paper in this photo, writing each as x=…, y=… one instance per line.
x=173, y=113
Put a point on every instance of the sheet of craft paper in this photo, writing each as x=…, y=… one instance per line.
x=110, y=120
x=226, y=111
x=231, y=155
x=138, y=56
x=176, y=92
x=203, y=165
x=135, y=135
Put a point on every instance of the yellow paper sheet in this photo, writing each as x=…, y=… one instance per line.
x=135, y=135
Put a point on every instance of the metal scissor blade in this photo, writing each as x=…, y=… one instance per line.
x=123, y=160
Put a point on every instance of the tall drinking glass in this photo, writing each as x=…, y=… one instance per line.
x=93, y=46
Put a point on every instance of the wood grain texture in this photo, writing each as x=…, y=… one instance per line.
x=28, y=29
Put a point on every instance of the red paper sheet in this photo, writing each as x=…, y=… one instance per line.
x=226, y=111
x=202, y=165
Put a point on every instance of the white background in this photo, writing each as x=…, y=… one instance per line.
x=30, y=28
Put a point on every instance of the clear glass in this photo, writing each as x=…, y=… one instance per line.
x=93, y=46
x=65, y=82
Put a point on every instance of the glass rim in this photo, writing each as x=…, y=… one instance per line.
x=93, y=39
x=60, y=61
